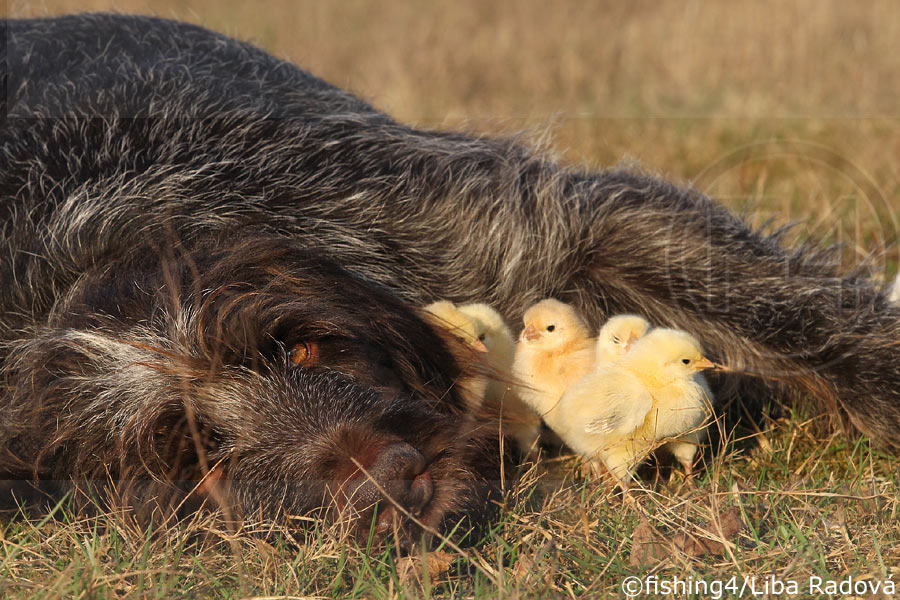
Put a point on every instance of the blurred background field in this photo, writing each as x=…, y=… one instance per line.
x=788, y=110
x=784, y=111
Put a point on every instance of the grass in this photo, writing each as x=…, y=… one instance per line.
x=783, y=112
x=812, y=505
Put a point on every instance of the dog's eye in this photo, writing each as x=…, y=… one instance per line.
x=304, y=354
x=615, y=339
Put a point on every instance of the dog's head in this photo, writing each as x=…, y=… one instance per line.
x=259, y=374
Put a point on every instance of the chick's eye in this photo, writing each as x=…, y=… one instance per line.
x=686, y=361
x=616, y=339
x=551, y=327
x=304, y=354
x=481, y=337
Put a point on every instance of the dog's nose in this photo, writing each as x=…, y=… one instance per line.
x=400, y=471
x=397, y=473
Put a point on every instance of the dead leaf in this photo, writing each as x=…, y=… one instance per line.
x=525, y=567
x=647, y=548
x=412, y=568
x=268, y=552
x=538, y=566
x=696, y=544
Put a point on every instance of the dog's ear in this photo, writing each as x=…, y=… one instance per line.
x=123, y=388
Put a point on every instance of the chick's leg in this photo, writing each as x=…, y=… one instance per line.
x=685, y=449
x=620, y=460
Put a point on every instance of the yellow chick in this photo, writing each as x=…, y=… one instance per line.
x=447, y=315
x=622, y=409
x=517, y=418
x=618, y=335
x=554, y=351
x=615, y=339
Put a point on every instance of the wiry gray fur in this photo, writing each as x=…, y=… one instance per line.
x=119, y=126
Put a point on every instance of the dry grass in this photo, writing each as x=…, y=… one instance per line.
x=785, y=111
x=812, y=506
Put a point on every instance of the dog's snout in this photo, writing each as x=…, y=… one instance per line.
x=396, y=476
x=400, y=471
x=397, y=462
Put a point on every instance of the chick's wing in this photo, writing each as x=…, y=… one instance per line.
x=610, y=401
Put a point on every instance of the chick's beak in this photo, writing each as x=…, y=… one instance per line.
x=704, y=363
x=531, y=333
x=479, y=346
x=631, y=340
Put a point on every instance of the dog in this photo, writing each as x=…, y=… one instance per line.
x=211, y=263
